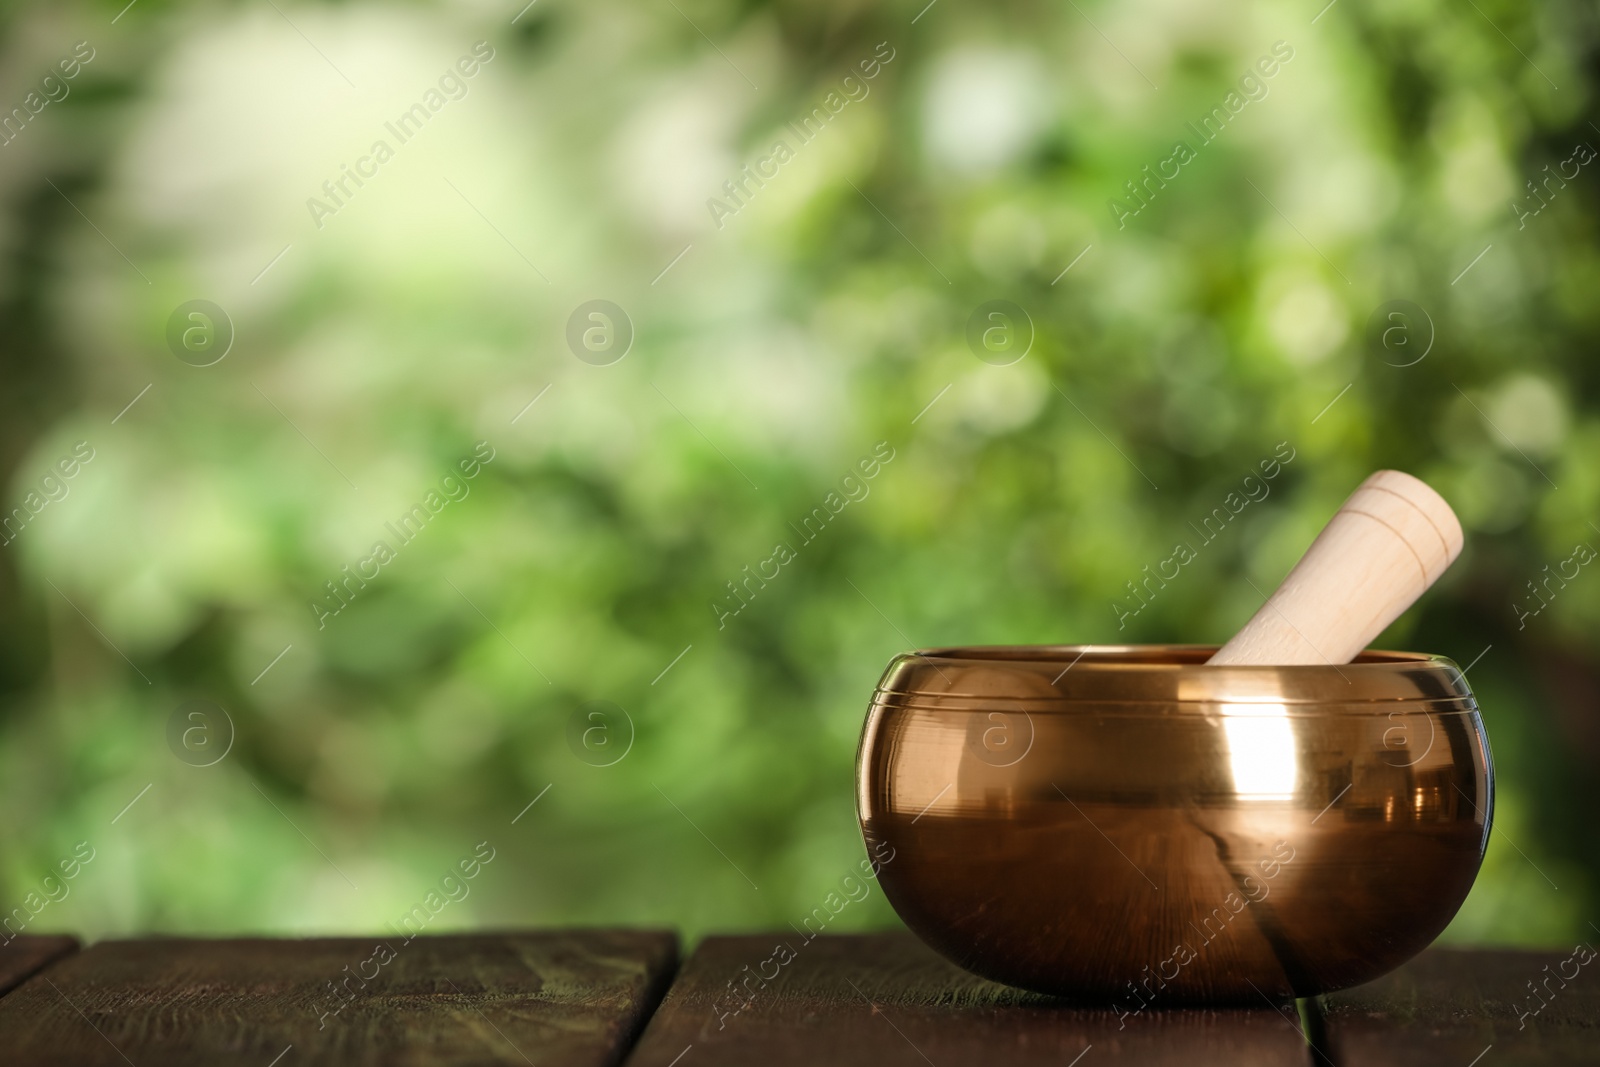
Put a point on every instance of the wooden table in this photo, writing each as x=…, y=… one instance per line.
x=600, y=997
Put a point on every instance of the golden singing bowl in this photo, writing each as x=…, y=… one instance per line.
x=1126, y=823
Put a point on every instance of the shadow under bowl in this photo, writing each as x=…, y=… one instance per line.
x=1126, y=823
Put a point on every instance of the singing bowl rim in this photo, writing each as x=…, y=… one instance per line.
x=1174, y=676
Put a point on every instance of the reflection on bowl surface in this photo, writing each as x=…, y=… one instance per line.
x=1130, y=825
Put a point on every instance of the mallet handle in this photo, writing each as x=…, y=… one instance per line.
x=1383, y=548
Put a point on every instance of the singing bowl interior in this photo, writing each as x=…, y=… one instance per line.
x=1129, y=825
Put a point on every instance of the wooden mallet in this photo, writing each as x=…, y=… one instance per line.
x=1381, y=550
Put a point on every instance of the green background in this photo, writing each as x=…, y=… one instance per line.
x=825, y=316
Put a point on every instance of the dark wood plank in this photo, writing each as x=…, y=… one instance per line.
x=1448, y=1006
x=23, y=956
x=885, y=1000
x=555, y=999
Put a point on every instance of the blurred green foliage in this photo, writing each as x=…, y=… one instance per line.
x=824, y=317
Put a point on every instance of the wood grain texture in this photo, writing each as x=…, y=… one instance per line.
x=22, y=957
x=555, y=999
x=884, y=1000
x=1447, y=1007
x=1382, y=549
